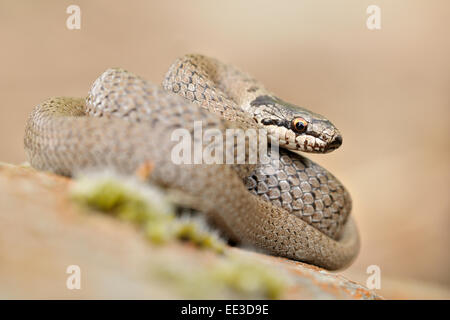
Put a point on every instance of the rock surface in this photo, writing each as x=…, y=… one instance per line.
x=42, y=232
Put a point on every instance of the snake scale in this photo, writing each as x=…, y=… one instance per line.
x=289, y=207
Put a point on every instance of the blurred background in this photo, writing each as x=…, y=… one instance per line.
x=386, y=90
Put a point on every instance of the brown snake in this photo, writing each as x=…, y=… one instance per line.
x=289, y=207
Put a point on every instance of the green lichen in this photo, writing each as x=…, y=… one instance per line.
x=147, y=207
x=159, y=232
x=195, y=231
x=238, y=277
x=143, y=205
x=250, y=278
x=123, y=199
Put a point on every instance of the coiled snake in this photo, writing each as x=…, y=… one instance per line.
x=289, y=207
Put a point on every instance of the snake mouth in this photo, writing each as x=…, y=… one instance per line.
x=308, y=143
x=305, y=144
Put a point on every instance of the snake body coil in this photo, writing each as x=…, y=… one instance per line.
x=292, y=208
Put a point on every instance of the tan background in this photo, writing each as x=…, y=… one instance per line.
x=387, y=91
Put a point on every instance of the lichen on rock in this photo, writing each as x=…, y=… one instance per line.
x=147, y=207
x=144, y=205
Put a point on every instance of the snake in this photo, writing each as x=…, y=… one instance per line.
x=289, y=206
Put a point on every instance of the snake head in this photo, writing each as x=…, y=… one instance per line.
x=294, y=127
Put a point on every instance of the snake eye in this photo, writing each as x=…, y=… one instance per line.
x=299, y=125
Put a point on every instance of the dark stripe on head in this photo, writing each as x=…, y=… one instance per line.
x=263, y=101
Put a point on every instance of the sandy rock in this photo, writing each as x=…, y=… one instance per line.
x=42, y=232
